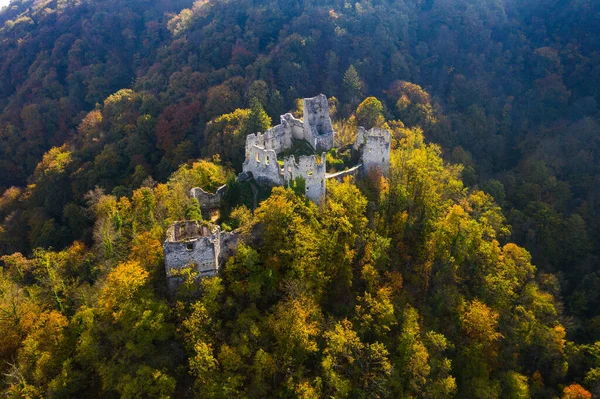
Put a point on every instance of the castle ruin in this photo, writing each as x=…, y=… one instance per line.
x=205, y=247
x=312, y=170
x=190, y=243
x=262, y=149
x=374, y=147
x=209, y=202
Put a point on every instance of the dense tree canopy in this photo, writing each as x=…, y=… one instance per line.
x=471, y=271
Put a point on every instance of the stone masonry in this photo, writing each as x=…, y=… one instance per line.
x=318, y=130
x=262, y=149
x=205, y=247
x=190, y=243
x=263, y=165
x=312, y=171
x=209, y=202
x=374, y=145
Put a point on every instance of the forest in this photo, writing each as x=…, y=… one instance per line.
x=470, y=271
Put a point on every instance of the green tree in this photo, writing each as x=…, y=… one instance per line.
x=353, y=368
x=193, y=210
x=351, y=86
x=369, y=113
x=258, y=120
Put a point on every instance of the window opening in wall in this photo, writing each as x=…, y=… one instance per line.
x=310, y=172
x=257, y=158
x=306, y=188
x=189, y=246
x=267, y=160
x=383, y=160
x=370, y=150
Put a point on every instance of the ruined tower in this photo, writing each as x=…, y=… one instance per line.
x=374, y=145
x=201, y=246
x=318, y=130
x=312, y=170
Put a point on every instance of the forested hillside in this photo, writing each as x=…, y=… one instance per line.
x=471, y=272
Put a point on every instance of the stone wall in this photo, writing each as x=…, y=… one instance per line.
x=374, y=145
x=312, y=172
x=185, y=230
x=206, y=248
x=295, y=126
x=263, y=166
x=208, y=202
x=318, y=130
x=189, y=243
x=278, y=138
x=229, y=244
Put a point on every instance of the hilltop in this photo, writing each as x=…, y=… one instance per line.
x=470, y=270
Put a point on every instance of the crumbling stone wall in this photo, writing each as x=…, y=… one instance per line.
x=229, y=244
x=374, y=145
x=203, y=247
x=208, y=202
x=189, y=243
x=312, y=171
x=318, y=130
x=295, y=126
x=262, y=148
x=278, y=138
x=263, y=166
x=207, y=248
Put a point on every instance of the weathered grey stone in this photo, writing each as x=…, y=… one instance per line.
x=374, y=146
x=208, y=202
x=262, y=149
x=318, y=130
x=203, y=247
x=312, y=171
x=262, y=164
x=189, y=243
x=278, y=138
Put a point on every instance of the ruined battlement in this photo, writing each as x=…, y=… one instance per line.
x=262, y=149
x=279, y=137
x=190, y=243
x=318, y=130
x=206, y=248
x=187, y=230
x=375, y=147
x=201, y=246
x=209, y=202
x=263, y=165
x=312, y=170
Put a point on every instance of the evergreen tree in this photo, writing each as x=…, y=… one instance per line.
x=351, y=86
x=193, y=210
x=258, y=120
